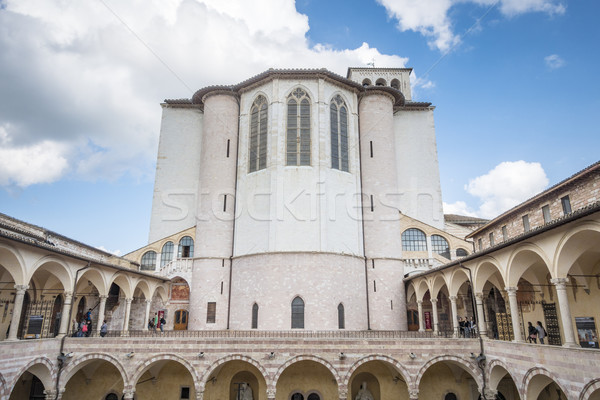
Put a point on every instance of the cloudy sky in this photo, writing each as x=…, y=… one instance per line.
x=514, y=82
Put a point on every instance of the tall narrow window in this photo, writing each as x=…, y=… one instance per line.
x=258, y=134
x=546, y=214
x=298, y=128
x=167, y=254
x=491, y=237
x=211, y=313
x=186, y=247
x=255, y=316
x=566, y=205
x=297, y=313
x=526, y=226
x=339, y=134
x=504, y=233
x=341, y=317
x=479, y=244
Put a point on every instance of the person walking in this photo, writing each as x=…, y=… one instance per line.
x=541, y=332
x=162, y=324
x=103, y=329
x=532, y=333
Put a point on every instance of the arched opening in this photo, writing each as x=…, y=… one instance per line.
x=254, y=316
x=542, y=387
x=380, y=379
x=445, y=377
x=366, y=82
x=236, y=379
x=414, y=239
x=97, y=378
x=186, y=247
x=380, y=82
x=501, y=381
x=297, y=313
x=28, y=387
x=341, y=317
x=166, y=255
x=395, y=83
x=169, y=378
x=148, y=261
x=303, y=378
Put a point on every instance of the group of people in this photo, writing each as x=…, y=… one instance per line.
x=536, y=332
x=84, y=328
x=467, y=327
x=155, y=322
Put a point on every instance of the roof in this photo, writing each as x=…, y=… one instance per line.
x=197, y=99
x=464, y=219
x=350, y=69
x=559, y=185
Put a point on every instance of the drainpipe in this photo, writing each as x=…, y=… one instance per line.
x=481, y=357
x=61, y=356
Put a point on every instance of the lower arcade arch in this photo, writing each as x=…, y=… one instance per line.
x=379, y=379
x=591, y=391
x=34, y=379
x=95, y=375
x=502, y=381
x=165, y=378
x=446, y=376
x=306, y=379
x=235, y=379
x=539, y=384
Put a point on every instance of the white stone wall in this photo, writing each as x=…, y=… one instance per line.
x=418, y=169
x=323, y=281
x=177, y=172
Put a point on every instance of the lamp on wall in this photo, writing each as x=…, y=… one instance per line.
x=201, y=354
x=130, y=354
x=412, y=355
x=342, y=356
x=271, y=355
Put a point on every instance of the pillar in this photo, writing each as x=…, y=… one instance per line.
x=128, y=394
x=420, y=310
x=271, y=394
x=50, y=394
x=489, y=394
x=565, y=311
x=514, y=313
x=101, y=311
x=434, y=310
x=454, y=315
x=17, y=309
x=126, y=318
x=146, y=315
x=64, y=317
x=481, y=325
x=413, y=394
x=343, y=392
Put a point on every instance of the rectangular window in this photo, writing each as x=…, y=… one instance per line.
x=371, y=203
x=566, y=205
x=211, y=312
x=371, y=145
x=504, y=233
x=526, y=226
x=224, y=202
x=221, y=287
x=546, y=214
x=228, y=144
x=374, y=286
x=185, y=393
x=479, y=244
x=491, y=239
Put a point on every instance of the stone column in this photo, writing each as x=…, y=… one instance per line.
x=565, y=311
x=146, y=315
x=271, y=394
x=436, y=324
x=343, y=392
x=413, y=394
x=101, y=311
x=489, y=394
x=128, y=394
x=64, y=317
x=420, y=309
x=17, y=309
x=481, y=325
x=514, y=313
x=454, y=315
x=126, y=319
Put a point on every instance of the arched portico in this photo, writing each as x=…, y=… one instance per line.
x=42, y=369
x=446, y=374
x=225, y=377
x=318, y=376
x=385, y=377
x=538, y=379
x=167, y=373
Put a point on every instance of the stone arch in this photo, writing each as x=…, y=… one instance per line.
x=124, y=282
x=13, y=262
x=437, y=283
x=522, y=259
x=346, y=102
x=144, y=287
x=305, y=357
x=160, y=291
x=421, y=288
x=41, y=367
x=380, y=82
x=461, y=362
x=3, y=387
x=495, y=375
x=59, y=268
x=255, y=97
x=531, y=374
x=456, y=280
x=82, y=361
x=309, y=93
x=564, y=256
x=484, y=270
x=236, y=357
x=379, y=357
x=143, y=367
x=589, y=389
x=97, y=278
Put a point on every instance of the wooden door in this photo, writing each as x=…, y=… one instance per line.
x=413, y=320
x=181, y=320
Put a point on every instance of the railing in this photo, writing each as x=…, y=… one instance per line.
x=298, y=334
x=178, y=266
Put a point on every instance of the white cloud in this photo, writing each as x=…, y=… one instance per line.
x=554, y=61
x=431, y=18
x=73, y=74
x=505, y=186
x=115, y=252
x=458, y=208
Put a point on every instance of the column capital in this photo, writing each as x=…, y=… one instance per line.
x=453, y=298
x=21, y=289
x=148, y=301
x=489, y=394
x=103, y=297
x=479, y=296
x=413, y=394
x=128, y=393
x=420, y=302
x=434, y=301
x=270, y=393
x=68, y=294
x=511, y=290
x=343, y=393
x=128, y=300
x=560, y=283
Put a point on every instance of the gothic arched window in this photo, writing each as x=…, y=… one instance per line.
x=258, y=134
x=297, y=313
x=298, y=128
x=339, y=134
x=148, y=261
x=255, y=316
x=440, y=246
x=341, y=317
x=186, y=247
x=166, y=256
x=414, y=240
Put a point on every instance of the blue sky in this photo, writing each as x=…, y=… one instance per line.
x=514, y=83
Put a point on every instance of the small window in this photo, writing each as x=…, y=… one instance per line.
x=297, y=396
x=148, y=261
x=380, y=82
x=111, y=396
x=166, y=256
x=491, y=236
x=297, y=313
x=526, y=226
x=504, y=233
x=298, y=128
x=395, y=84
x=366, y=82
x=313, y=396
x=186, y=247
x=461, y=253
x=185, y=392
x=255, y=316
x=341, y=317
x=414, y=240
x=339, y=133
x=566, y=205
x=479, y=244
x=211, y=313
x=546, y=214
x=440, y=246
x=258, y=134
